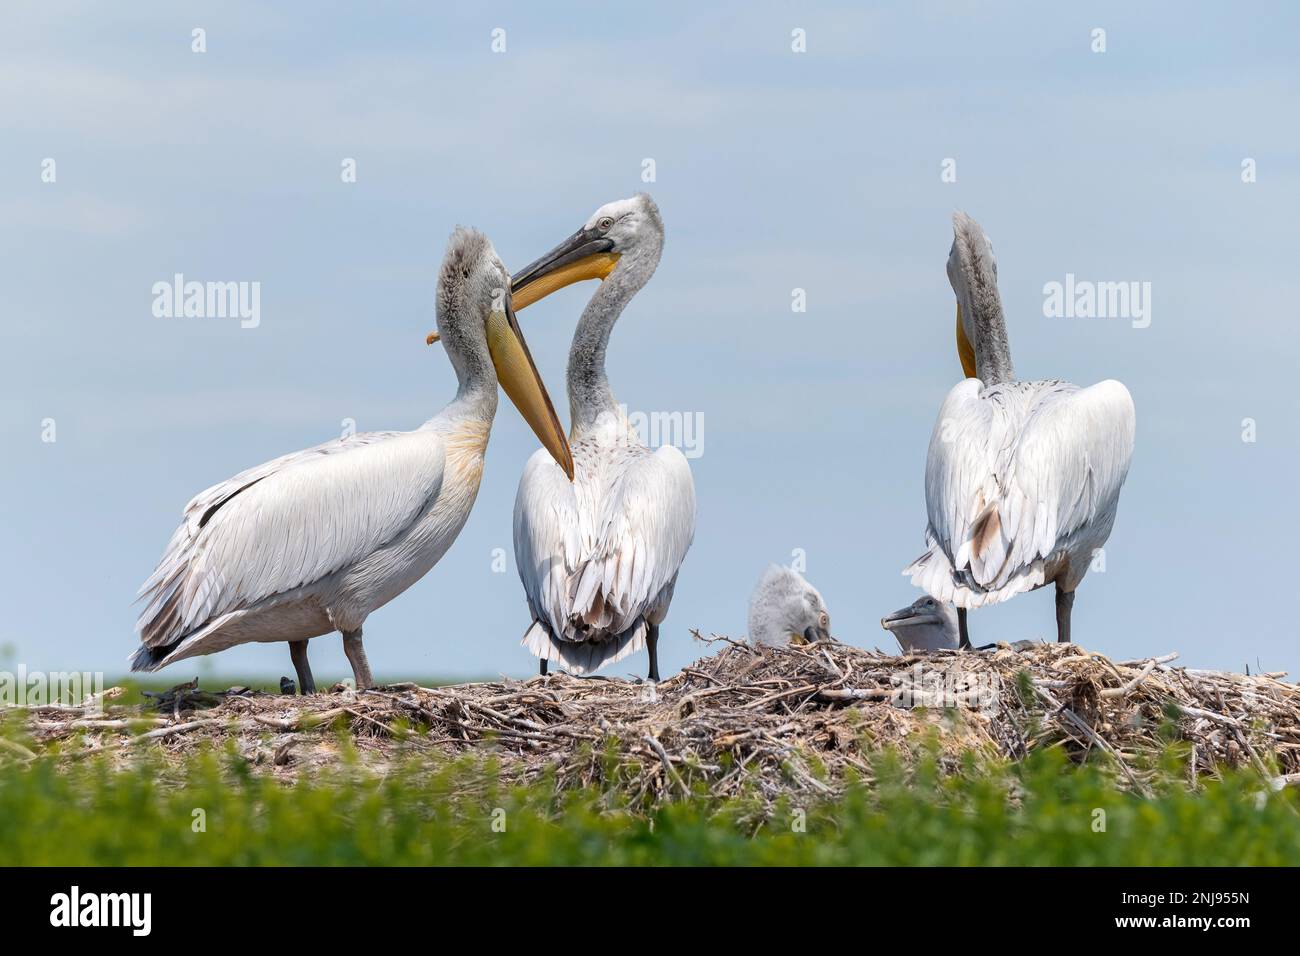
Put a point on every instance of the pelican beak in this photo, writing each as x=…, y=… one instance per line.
x=964, y=350
x=519, y=378
x=584, y=255
x=431, y=338
x=899, y=618
x=812, y=634
x=908, y=617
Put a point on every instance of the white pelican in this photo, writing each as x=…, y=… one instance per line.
x=924, y=625
x=312, y=542
x=599, y=557
x=786, y=609
x=1022, y=479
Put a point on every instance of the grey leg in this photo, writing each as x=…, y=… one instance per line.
x=961, y=628
x=543, y=672
x=652, y=645
x=357, y=658
x=298, y=653
x=1064, y=602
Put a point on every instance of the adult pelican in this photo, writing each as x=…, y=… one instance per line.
x=599, y=557
x=1022, y=479
x=312, y=542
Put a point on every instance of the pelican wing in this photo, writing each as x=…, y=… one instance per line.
x=549, y=538
x=594, y=566
x=286, y=523
x=1014, y=472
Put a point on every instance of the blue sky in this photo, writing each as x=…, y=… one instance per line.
x=775, y=170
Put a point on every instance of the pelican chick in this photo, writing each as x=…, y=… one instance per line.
x=313, y=541
x=924, y=625
x=786, y=609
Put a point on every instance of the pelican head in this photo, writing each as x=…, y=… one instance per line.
x=973, y=274
x=475, y=315
x=786, y=609
x=626, y=230
x=924, y=625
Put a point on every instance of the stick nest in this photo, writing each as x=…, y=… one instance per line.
x=797, y=721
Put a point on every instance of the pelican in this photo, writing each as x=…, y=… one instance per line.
x=1022, y=479
x=786, y=609
x=924, y=625
x=313, y=541
x=599, y=557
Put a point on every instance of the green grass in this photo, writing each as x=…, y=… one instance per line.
x=87, y=814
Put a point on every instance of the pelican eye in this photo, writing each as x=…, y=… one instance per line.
x=605, y=223
x=824, y=619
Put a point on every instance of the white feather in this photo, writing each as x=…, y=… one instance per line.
x=1022, y=483
x=598, y=557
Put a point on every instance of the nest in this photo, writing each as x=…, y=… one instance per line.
x=801, y=722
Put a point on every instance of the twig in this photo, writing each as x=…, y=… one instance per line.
x=1110, y=692
x=658, y=748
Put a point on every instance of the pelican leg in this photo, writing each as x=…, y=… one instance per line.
x=652, y=645
x=357, y=658
x=298, y=653
x=543, y=671
x=964, y=643
x=1064, y=602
